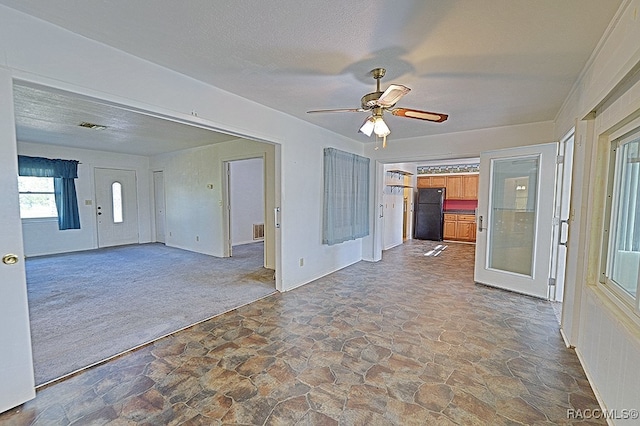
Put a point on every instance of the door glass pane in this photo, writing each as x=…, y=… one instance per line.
x=512, y=210
x=116, y=194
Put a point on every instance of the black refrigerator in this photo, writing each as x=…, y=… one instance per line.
x=429, y=214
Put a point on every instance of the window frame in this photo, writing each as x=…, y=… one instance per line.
x=610, y=225
x=52, y=218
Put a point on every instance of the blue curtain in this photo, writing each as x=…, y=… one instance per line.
x=346, y=196
x=64, y=173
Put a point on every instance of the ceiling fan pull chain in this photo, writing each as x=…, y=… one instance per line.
x=384, y=141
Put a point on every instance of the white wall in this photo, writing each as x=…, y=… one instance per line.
x=42, y=236
x=247, y=198
x=194, y=212
x=607, y=96
x=38, y=52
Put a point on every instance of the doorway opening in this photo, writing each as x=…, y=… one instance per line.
x=120, y=188
x=245, y=202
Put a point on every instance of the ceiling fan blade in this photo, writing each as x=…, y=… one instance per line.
x=420, y=115
x=392, y=95
x=337, y=110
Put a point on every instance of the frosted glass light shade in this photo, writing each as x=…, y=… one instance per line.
x=367, y=126
x=380, y=127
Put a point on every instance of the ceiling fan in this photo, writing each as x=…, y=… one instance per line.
x=378, y=102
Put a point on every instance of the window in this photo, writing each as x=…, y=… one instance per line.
x=61, y=174
x=116, y=199
x=346, y=196
x=623, y=245
x=37, y=197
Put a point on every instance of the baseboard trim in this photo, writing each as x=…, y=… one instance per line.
x=603, y=406
x=566, y=341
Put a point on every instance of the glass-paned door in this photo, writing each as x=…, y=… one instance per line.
x=515, y=218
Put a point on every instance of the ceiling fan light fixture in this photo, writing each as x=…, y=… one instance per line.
x=380, y=128
x=367, y=126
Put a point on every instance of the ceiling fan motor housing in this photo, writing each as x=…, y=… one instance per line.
x=370, y=100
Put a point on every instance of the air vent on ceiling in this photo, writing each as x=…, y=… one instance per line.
x=93, y=126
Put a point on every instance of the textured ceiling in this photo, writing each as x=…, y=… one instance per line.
x=53, y=117
x=486, y=63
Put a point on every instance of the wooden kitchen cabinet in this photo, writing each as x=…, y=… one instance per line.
x=458, y=187
x=454, y=187
x=432, y=181
x=423, y=182
x=466, y=227
x=438, y=181
x=449, y=227
x=470, y=187
x=459, y=227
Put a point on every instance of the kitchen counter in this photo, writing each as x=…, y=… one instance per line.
x=460, y=212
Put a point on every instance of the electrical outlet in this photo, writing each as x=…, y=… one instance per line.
x=197, y=238
x=302, y=261
x=169, y=233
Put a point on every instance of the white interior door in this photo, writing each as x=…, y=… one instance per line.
x=116, y=207
x=17, y=384
x=158, y=191
x=515, y=218
x=561, y=219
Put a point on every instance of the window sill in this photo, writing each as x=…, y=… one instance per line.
x=39, y=219
x=624, y=312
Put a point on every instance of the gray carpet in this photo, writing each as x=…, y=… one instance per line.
x=88, y=306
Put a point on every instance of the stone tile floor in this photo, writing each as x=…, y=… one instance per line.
x=410, y=340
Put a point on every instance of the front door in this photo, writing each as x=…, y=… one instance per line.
x=515, y=218
x=17, y=384
x=116, y=207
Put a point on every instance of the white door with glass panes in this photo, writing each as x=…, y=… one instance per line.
x=17, y=383
x=515, y=218
x=116, y=207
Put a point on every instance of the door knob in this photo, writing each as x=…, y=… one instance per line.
x=10, y=259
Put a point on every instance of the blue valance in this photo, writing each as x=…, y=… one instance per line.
x=46, y=167
x=63, y=173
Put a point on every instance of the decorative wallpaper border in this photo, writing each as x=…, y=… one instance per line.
x=451, y=168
